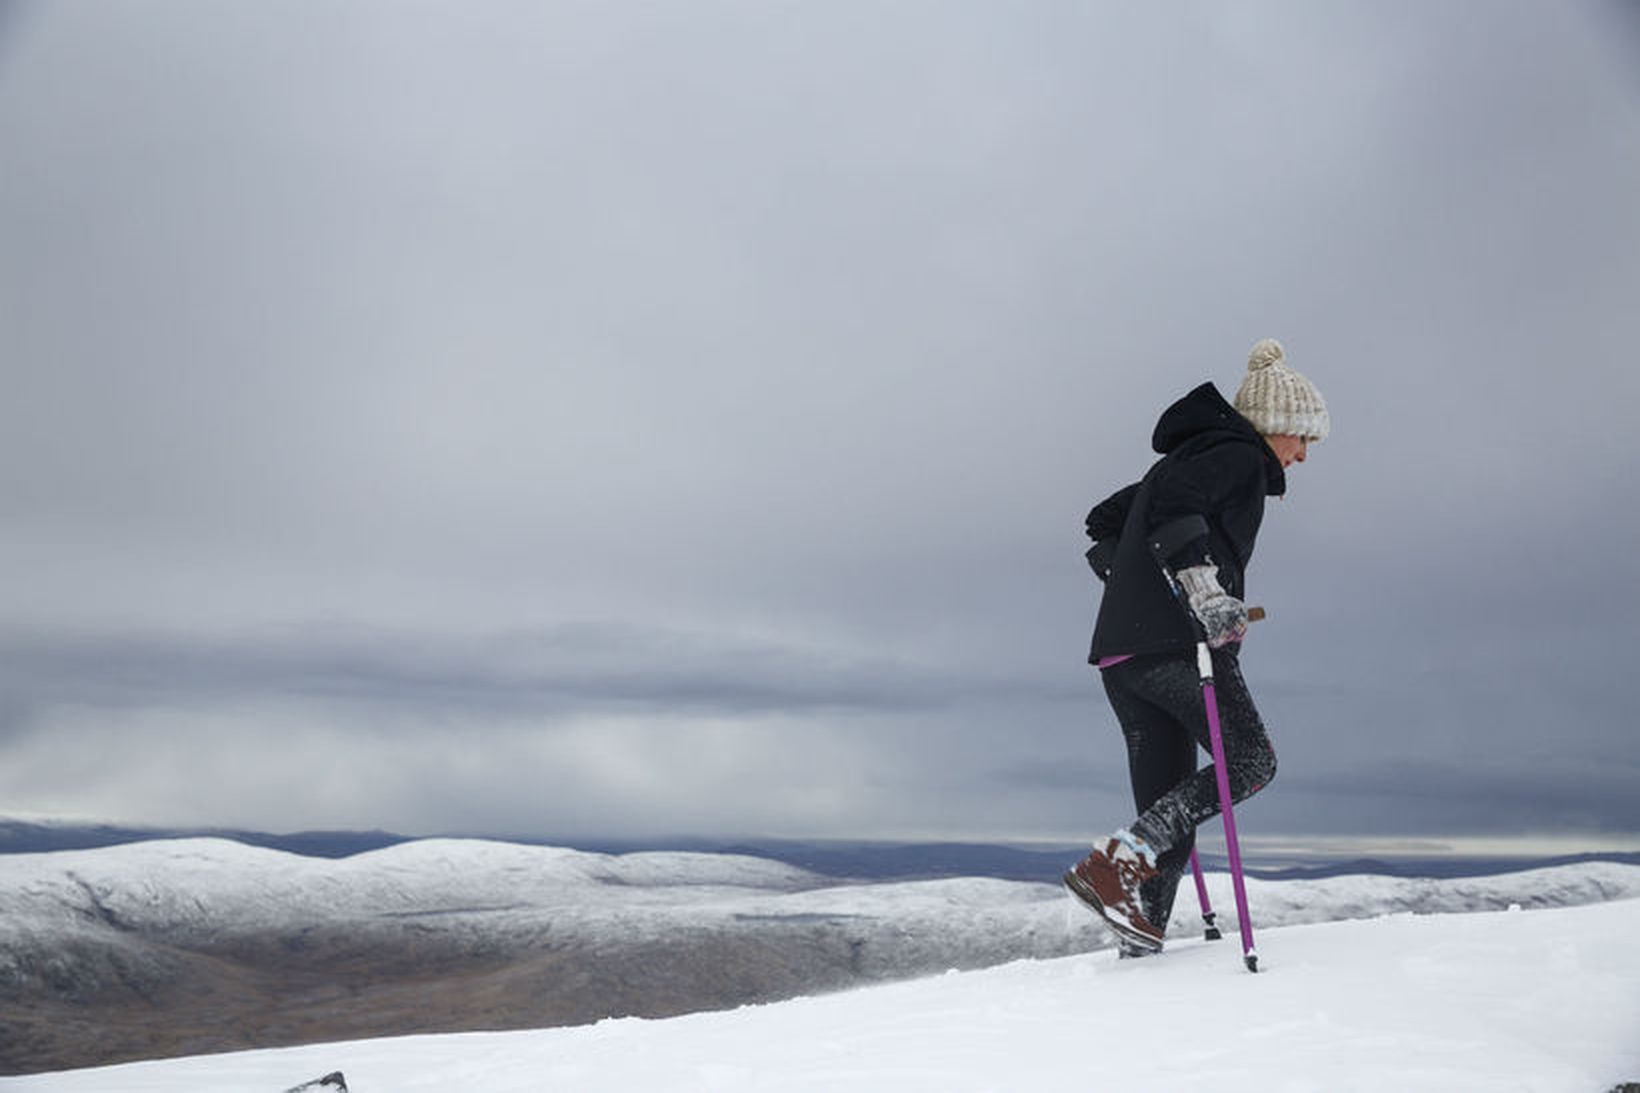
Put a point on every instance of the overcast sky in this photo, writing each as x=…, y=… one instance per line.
x=619, y=419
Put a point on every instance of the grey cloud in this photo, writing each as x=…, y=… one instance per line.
x=509, y=365
x=569, y=669
x=1482, y=796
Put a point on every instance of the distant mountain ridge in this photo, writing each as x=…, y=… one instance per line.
x=841, y=858
x=30, y=837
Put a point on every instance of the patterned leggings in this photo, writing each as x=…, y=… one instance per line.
x=1158, y=700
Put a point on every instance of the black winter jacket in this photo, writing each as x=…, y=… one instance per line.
x=1214, y=464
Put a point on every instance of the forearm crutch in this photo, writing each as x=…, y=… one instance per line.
x=1164, y=543
x=1204, y=664
x=1208, y=916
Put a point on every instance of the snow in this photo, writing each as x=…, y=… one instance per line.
x=1526, y=1000
x=1542, y=999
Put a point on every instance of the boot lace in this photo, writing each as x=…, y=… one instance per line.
x=1131, y=871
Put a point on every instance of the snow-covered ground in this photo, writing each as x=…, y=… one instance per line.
x=1368, y=982
x=1541, y=1001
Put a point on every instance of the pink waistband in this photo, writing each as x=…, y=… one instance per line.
x=1106, y=662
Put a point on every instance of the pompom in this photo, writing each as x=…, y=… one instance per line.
x=1265, y=354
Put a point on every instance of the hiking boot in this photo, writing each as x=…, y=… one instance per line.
x=1108, y=880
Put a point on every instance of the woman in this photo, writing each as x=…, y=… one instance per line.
x=1193, y=518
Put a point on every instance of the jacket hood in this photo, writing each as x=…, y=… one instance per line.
x=1203, y=413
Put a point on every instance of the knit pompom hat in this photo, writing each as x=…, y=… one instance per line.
x=1279, y=401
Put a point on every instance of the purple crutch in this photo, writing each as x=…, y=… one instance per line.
x=1164, y=542
x=1204, y=664
x=1208, y=916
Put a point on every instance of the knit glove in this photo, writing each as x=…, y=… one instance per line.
x=1223, y=617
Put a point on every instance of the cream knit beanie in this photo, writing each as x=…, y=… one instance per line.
x=1279, y=401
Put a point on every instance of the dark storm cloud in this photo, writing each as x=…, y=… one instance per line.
x=572, y=669
x=691, y=411
x=1408, y=796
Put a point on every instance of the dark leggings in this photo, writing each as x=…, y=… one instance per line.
x=1158, y=700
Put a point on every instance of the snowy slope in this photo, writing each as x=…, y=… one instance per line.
x=1544, y=1001
x=191, y=946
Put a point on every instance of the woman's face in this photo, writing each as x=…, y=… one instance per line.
x=1288, y=449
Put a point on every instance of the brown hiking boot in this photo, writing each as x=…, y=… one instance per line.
x=1108, y=880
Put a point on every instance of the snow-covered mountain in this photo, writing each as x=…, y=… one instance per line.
x=177, y=947
x=1543, y=1001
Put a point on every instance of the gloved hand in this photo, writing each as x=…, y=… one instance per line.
x=1222, y=616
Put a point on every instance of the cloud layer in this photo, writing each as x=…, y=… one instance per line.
x=501, y=418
